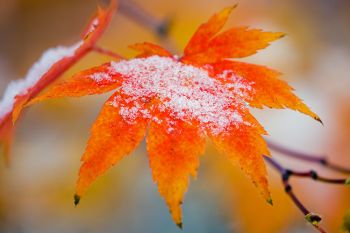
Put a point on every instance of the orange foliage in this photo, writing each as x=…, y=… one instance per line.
x=147, y=49
x=173, y=157
x=111, y=139
x=176, y=139
x=93, y=32
x=207, y=46
x=269, y=90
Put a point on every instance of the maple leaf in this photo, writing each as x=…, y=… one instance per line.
x=53, y=63
x=182, y=101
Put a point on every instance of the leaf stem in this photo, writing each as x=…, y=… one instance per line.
x=108, y=53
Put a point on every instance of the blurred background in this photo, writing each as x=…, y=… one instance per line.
x=36, y=191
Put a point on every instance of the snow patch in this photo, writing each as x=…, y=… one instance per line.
x=20, y=87
x=101, y=77
x=185, y=92
x=94, y=24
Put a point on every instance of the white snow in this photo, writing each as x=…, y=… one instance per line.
x=94, y=24
x=34, y=74
x=100, y=77
x=185, y=92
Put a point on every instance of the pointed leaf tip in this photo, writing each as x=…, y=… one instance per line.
x=318, y=119
x=76, y=199
x=282, y=34
x=270, y=201
x=229, y=9
x=179, y=225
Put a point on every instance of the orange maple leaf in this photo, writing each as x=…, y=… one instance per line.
x=53, y=63
x=181, y=101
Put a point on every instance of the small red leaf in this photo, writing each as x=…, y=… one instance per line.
x=147, y=49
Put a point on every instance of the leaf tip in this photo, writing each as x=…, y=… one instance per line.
x=313, y=218
x=317, y=118
x=76, y=199
x=281, y=35
x=228, y=10
x=269, y=201
x=179, y=225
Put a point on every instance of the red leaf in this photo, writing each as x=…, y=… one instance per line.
x=111, y=139
x=267, y=89
x=174, y=151
x=51, y=66
x=182, y=102
x=94, y=81
x=148, y=49
x=206, y=31
x=55, y=62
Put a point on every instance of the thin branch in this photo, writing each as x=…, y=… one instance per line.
x=138, y=14
x=313, y=175
x=159, y=27
x=107, y=52
x=319, y=159
x=312, y=218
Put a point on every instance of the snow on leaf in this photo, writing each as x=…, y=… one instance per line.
x=111, y=139
x=21, y=87
x=182, y=102
x=186, y=92
x=53, y=63
x=171, y=94
x=93, y=81
x=99, y=22
x=269, y=90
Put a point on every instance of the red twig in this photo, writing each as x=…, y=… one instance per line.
x=108, y=53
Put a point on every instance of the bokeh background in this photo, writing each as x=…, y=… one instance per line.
x=36, y=191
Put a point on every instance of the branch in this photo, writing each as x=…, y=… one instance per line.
x=312, y=218
x=107, y=52
x=318, y=159
x=159, y=27
x=313, y=175
x=138, y=14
